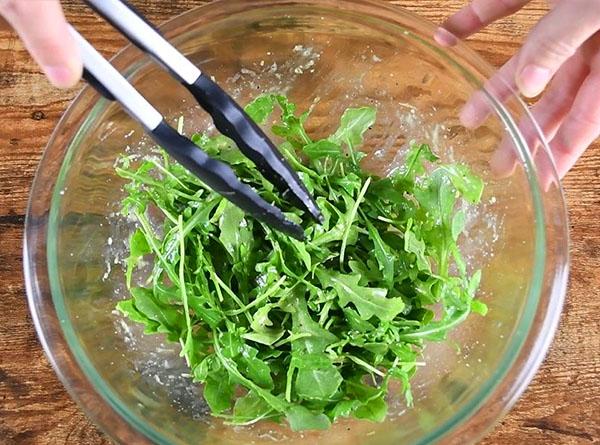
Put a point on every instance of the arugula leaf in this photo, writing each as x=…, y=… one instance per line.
x=415, y=160
x=369, y=301
x=266, y=337
x=274, y=328
x=415, y=246
x=301, y=418
x=375, y=410
x=291, y=126
x=353, y=124
x=234, y=230
x=255, y=368
x=127, y=308
x=384, y=255
x=168, y=317
x=322, y=149
x=138, y=247
x=311, y=337
x=317, y=377
x=218, y=392
x=372, y=405
x=344, y=408
x=469, y=185
x=260, y=108
x=437, y=196
x=458, y=224
x=479, y=307
x=251, y=408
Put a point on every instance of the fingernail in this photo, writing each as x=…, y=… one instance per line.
x=471, y=116
x=546, y=171
x=503, y=162
x=533, y=79
x=444, y=37
x=60, y=76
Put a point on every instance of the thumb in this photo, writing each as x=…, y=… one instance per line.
x=43, y=29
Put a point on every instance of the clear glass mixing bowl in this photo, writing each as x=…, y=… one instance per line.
x=328, y=54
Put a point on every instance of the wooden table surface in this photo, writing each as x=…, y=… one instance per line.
x=562, y=405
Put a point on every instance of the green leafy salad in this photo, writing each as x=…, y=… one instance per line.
x=302, y=332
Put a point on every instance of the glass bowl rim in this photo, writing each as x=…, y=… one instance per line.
x=461, y=416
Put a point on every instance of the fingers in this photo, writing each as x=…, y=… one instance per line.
x=475, y=16
x=548, y=113
x=568, y=112
x=43, y=28
x=582, y=125
x=501, y=86
x=554, y=40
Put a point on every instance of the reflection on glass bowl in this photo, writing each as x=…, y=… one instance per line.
x=327, y=55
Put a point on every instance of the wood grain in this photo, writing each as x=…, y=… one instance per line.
x=562, y=405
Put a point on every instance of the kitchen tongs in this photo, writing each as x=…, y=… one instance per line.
x=228, y=117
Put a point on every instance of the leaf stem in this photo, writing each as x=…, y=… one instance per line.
x=351, y=218
x=188, y=346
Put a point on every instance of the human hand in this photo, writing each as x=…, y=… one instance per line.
x=562, y=51
x=43, y=29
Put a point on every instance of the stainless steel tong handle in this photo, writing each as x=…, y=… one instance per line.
x=111, y=80
x=123, y=17
x=229, y=118
x=216, y=174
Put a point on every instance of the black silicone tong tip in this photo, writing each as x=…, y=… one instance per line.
x=222, y=179
x=231, y=120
